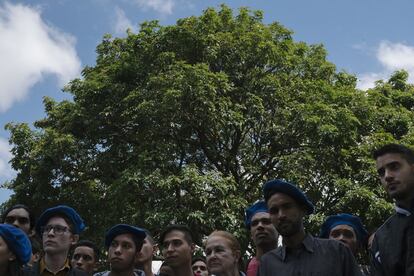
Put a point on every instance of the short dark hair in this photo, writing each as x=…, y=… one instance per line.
x=89, y=244
x=178, y=227
x=149, y=236
x=32, y=217
x=404, y=151
x=197, y=259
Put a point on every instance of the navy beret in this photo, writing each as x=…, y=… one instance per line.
x=64, y=211
x=258, y=207
x=280, y=186
x=123, y=229
x=17, y=242
x=344, y=219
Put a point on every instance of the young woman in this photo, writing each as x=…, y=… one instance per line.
x=15, y=250
x=223, y=254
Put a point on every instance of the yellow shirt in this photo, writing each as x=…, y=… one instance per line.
x=45, y=272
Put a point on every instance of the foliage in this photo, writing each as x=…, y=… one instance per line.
x=185, y=123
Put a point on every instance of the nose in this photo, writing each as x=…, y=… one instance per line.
x=388, y=175
x=170, y=247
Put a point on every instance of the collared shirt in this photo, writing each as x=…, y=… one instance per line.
x=253, y=267
x=45, y=272
x=316, y=256
x=392, y=251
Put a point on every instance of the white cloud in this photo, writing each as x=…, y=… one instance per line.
x=392, y=56
x=122, y=22
x=6, y=172
x=29, y=49
x=161, y=6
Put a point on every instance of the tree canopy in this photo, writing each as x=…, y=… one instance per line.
x=184, y=123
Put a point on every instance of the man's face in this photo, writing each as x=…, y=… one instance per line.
x=122, y=253
x=262, y=231
x=84, y=258
x=199, y=268
x=19, y=217
x=396, y=175
x=286, y=214
x=146, y=253
x=57, y=237
x=176, y=250
x=346, y=235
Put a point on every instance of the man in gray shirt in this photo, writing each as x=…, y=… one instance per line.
x=301, y=254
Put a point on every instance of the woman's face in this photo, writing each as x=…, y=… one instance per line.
x=5, y=254
x=220, y=257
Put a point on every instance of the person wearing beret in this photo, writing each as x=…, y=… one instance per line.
x=301, y=253
x=392, y=250
x=124, y=243
x=59, y=228
x=349, y=230
x=262, y=232
x=15, y=250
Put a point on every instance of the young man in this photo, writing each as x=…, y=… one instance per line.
x=59, y=228
x=144, y=260
x=199, y=266
x=22, y=217
x=301, y=254
x=349, y=230
x=262, y=232
x=85, y=256
x=177, y=248
x=392, y=251
x=124, y=243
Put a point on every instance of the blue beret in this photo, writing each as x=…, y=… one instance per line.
x=258, y=207
x=123, y=229
x=344, y=219
x=65, y=211
x=17, y=242
x=280, y=186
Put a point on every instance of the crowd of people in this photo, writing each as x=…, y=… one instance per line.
x=280, y=216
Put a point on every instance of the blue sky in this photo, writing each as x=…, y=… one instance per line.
x=44, y=43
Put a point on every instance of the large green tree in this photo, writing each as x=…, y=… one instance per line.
x=184, y=123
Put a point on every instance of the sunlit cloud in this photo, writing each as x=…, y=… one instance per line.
x=29, y=50
x=160, y=6
x=122, y=23
x=393, y=57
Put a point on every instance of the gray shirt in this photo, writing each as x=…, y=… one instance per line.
x=321, y=257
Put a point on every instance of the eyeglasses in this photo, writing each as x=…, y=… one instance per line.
x=20, y=220
x=57, y=229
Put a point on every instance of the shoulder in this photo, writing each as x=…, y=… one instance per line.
x=103, y=273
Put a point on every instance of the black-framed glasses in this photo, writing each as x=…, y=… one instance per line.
x=57, y=229
x=20, y=220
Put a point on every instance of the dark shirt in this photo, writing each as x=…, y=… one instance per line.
x=392, y=251
x=316, y=256
x=37, y=270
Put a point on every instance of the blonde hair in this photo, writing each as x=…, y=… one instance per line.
x=233, y=242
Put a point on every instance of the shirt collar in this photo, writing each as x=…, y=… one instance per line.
x=43, y=267
x=402, y=211
x=308, y=244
